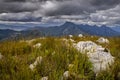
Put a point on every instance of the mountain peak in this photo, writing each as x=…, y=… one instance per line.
x=68, y=23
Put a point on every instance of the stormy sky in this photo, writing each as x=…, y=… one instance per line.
x=92, y=12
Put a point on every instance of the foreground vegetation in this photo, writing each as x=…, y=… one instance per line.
x=57, y=57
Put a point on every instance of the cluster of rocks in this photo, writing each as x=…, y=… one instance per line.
x=79, y=35
x=100, y=58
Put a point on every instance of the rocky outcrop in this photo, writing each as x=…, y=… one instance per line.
x=100, y=59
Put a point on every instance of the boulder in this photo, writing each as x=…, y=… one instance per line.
x=100, y=59
x=37, y=45
x=88, y=46
x=66, y=74
x=80, y=35
x=70, y=36
x=103, y=40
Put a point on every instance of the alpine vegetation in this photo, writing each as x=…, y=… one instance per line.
x=1, y=56
x=60, y=58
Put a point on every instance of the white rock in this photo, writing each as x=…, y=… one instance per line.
x=103, y=40
x=80, y=35
x=44, y=78
x=66, y=74
x=37, y=45
x=37, y=61
x=31, y=66
x=70, y=36
x=87, y=46
x=70, y=65
x=100, y=59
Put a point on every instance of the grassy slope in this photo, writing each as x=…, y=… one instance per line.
x=57, y=55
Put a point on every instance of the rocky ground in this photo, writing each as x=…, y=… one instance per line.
x=66, y=58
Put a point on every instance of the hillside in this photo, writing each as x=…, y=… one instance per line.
x=116, y=28
x=66, y=29
x=65, y=58
x=16, y=27
x=7, y=33
x=74, y=29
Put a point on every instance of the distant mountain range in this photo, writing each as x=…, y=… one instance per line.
x=73, y=29
x=117, y=28
x=65, y=29
x=15, y=27
x=7, y=33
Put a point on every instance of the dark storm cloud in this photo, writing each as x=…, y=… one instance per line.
x=22, y=17
x=105, y=2
x=76, y=7
x=49, y=8
x=14, y=0
x=65, y=7
x=80, y=6
x=16, y=7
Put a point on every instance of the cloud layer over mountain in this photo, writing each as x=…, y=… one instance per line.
x=99, y=12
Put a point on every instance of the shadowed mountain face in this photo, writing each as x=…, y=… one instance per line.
x=65, y=29
x=116, y=28
x=7, y=33
x=74, y=29
x=15, y=27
